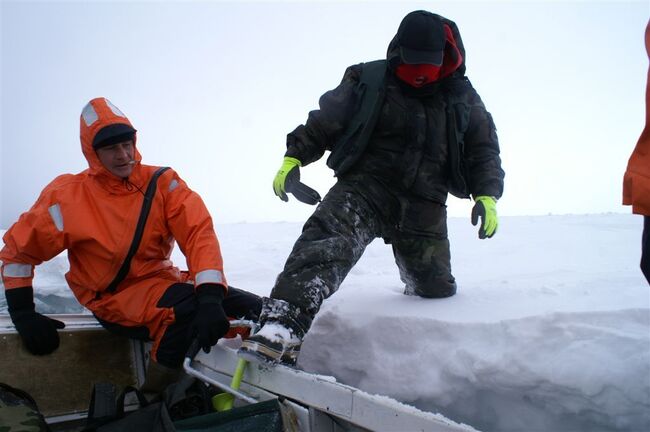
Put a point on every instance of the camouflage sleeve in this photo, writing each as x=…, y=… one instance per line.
x=308, y=142
x=481, y=155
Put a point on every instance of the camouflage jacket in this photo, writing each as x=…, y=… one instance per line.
x=409, y=148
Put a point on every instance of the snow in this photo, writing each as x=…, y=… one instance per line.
x=549, y=331
x=276, y=333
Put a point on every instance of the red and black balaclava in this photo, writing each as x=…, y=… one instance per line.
x=424, y=49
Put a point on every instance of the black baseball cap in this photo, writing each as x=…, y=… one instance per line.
x=421, y=39
x=113, y=134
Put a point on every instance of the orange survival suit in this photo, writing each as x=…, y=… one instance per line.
x=93, y=216
x=636, y=182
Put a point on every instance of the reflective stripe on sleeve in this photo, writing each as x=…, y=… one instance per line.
x=57, y=217
x=208, y=276
x=173, y=185
x=17, y=270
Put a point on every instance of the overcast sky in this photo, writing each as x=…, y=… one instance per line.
x=214, y=87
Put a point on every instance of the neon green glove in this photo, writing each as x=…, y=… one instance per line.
x=288, y=180
x=279, y=182
x=486, y=208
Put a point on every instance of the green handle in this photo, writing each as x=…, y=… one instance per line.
x=224, y=401
x=239, y=374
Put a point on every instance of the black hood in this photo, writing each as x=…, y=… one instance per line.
x=453, y=46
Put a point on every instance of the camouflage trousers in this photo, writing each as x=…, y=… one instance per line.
x=18, y=411
x=353, y=214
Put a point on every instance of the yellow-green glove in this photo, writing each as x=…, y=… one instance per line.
x=288, y=180
x=289, y=164
x=486, y=208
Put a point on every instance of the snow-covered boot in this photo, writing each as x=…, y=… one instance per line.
x=280, y=337
x=274, y=343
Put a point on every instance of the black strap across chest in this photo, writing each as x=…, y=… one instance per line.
x=139, y=230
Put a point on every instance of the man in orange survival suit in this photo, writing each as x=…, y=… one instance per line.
x=636, y=183
x=93, y=215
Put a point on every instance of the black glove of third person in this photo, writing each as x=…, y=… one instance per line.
x=38, y=332
x=210, y=322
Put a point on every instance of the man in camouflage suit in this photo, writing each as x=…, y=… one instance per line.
x=400, y=143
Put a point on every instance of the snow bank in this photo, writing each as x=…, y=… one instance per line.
x=583, y=371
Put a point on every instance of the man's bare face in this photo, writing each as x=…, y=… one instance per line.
x=118, y=158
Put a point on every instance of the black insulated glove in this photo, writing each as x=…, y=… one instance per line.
x=38, y=332
x=210, y=322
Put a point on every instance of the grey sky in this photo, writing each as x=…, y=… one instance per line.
x=214, y=87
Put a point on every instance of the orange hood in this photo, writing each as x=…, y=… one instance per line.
x=96, y=115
